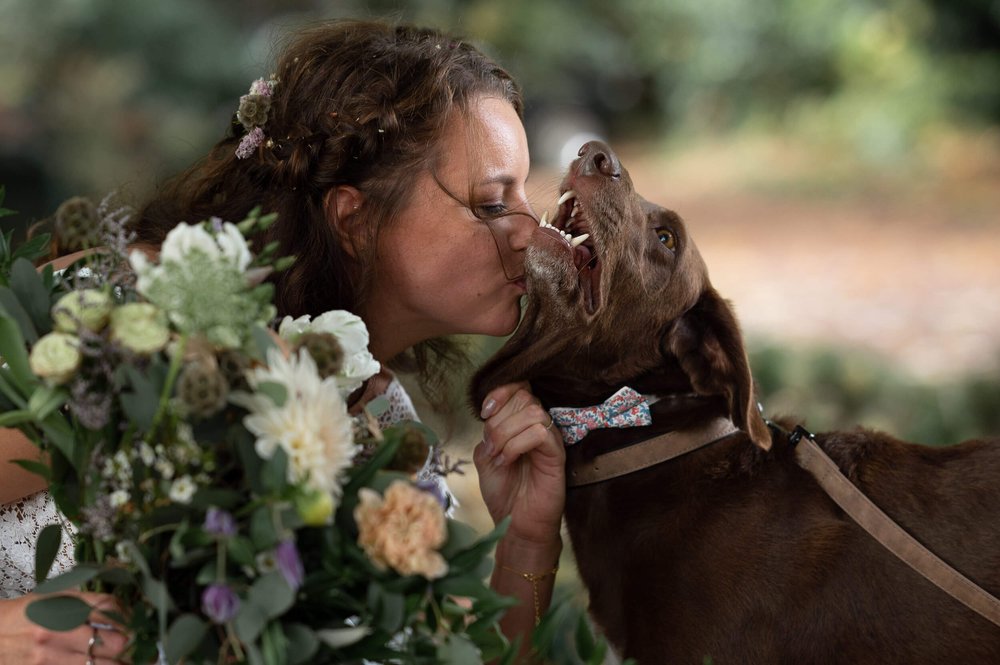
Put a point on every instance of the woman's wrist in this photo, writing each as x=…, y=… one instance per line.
x=528, y=556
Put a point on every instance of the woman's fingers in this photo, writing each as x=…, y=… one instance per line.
x=520, y=419
x=497, y=398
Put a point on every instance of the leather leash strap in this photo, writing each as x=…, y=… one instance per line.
x=883, y=529
x=647, y=453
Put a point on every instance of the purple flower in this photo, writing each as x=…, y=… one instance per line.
x=219, y=523
x=289, y=564
x=220, y=603
x=435, y=486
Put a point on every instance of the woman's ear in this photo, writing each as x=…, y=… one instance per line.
x=341, y=206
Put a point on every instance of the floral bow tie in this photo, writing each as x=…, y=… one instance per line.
x=626, y=408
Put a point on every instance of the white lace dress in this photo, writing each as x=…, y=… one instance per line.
x=22, y=521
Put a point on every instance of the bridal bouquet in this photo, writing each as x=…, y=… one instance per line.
x=208, y=470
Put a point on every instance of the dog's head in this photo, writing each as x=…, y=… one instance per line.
x=617, y=292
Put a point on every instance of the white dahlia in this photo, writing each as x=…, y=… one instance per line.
x=311, y=424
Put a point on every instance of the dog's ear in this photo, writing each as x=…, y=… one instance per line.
x=707, y=343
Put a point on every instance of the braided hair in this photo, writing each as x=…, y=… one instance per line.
x=359, y=103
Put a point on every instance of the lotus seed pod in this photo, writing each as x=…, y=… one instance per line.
x=203, y=388
x=325, y=350
x=412, y=453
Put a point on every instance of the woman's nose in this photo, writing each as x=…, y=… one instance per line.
x=521, y=228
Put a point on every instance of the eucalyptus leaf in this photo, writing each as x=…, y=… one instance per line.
x=184, y=636
x=272, y=594
x=274, y=645
x=338, y=638
x=302, y=643
x=458, y=649
x=249, y=622
x=59, y=613
x=277, y=392
x=46, y=550
x=274, y=473
x=262, y=531
x=71, y=579
x=263, y=341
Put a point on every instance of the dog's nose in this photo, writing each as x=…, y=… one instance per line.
x=597, y=157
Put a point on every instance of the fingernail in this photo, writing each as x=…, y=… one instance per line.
x=488, y=408
x=498, y=460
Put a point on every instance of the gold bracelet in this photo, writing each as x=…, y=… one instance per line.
x=534, y=578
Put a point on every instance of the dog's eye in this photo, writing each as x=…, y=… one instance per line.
x=666, y=237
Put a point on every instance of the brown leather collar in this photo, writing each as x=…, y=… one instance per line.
x=647, y=453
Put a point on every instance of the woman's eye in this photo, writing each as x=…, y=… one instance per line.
x=491, y=210
x=666, y=238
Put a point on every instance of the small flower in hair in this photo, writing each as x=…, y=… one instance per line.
x=253, y=113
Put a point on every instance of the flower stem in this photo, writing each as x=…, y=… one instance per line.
x=168, y=386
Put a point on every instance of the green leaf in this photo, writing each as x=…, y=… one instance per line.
x=34, y=466
x=184, y=636
x=263, y=341
x=45, y=400
x=275, y=391
x=274, y=473
x=274, y=645
x=262, y=531
x=302, y=643
x=272, y=594
x=46, y=550
x=59, y=613
x=27, y=284
x=586, y=646
x=249, y=622
x=458, y=649
x=465, y=586
x=32, y=248
x=15, y=418
x=142, y=403
x=11, y=305
x=71, y=579
x=15, y=354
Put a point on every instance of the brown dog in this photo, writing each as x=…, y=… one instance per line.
x=731, y=552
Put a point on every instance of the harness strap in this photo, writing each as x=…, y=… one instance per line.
x=883, y=529
x=647, y=453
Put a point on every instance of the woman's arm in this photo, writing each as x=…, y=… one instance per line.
x=15, y=482
x=521, y=463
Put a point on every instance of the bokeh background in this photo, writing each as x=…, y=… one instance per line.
x=838, y=161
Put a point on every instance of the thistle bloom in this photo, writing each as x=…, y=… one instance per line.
x=402, y=530
x=358, y=364
x=55, y=357
x=289, y=564
x=220, y=603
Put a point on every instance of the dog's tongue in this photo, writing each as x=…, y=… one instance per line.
x=581, y=256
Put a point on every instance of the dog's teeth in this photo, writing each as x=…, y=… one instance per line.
x=579, y=239
x=572, y=213
x=545, y=218
x=569, y=224
x=567, y=195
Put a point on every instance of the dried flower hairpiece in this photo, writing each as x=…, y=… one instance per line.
x=252, y=114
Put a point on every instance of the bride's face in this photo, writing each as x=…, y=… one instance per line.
x=441, y=268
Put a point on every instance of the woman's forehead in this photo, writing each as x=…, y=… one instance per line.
x=486, y=140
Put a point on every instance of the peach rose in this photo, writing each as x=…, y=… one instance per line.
x=402, y=530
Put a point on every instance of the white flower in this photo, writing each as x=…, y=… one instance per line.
x=165, y=468
x=312, y=426
x=182, y=489
x=119, y=498
x=146, y=454
x=352, y=334
x=233, y=246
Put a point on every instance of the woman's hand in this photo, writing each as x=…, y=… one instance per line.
x=521, y=464
x=25, y=643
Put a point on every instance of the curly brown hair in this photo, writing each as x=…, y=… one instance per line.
x=357, y=103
